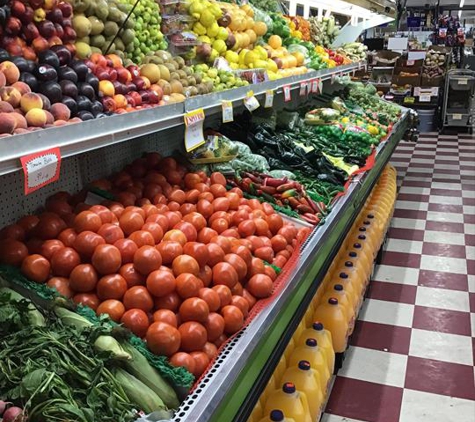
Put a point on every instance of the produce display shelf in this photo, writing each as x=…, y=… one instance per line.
x=93, y=134
x=231, y=388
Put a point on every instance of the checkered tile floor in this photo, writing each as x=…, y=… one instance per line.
x=412, y=353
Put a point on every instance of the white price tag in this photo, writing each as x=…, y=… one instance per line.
x=320, y=85
x=228, y=115
x=424, y=98
x=315, y=86
x=194, y=129
x=410, y=63
x=332, y=80
x=457, y=116
x=463, y=81
x=287, y=96
x=309, y=87
x=269, y=99
x=251, y=102
x=41, y=169
x=303, y=89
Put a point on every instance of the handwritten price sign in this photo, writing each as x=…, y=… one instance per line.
x=194, y=129
x=41, y=169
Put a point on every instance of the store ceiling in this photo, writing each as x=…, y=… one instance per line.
x=466, y=14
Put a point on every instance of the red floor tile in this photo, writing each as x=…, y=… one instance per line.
x=446, y=192
x=375, y=336
x=464, y=167
x=449, y=162
x=401, y=259
x=417, y=174
x=413, y=197
x=468, y=201
x=443, y=280
x=442, y=320
x=466, y=186
x=406, y=234
x=445, y=171
x=468, y=177
x=421, y=165
x=400, y=159
x=414, y=214
x=421, y=156
x=450, y=154
x=444, y=249
x=447, y=379
x=471, y=267
x=365, y=401
x=440, y=178
x=469, y=219
x=444, y=227
x=470, y=239
x=466, y=158
x=445, y=207
x=392, y=292
x=424, y=148
x=417, y=183
x=471, y=298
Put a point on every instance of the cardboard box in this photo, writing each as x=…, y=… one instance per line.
x=406, y=80
x=440, y=48
x=437, y=81
x=386, y=58
x=399, y=70
x=414, y=64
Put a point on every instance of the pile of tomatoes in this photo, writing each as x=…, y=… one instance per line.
x=176, y=258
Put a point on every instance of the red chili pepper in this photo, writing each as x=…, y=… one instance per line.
x=304, y=209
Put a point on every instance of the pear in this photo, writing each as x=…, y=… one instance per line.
x=97, y=26
x=80, y=6
x=110, y=29
x=82, y=26
x=101, y=10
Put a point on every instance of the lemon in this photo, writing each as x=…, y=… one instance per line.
x=207, y=18
x=232, y=56
x=219, y=46
x=199, y=29
x=260, y=64
x=272, y=66
x=214, y=55
x=261, y=51
x=242, y=54
x=234, y=66
x=213, y=30
x=222, y=34
x=251, y=57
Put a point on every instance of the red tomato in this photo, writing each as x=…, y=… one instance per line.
x=142, y=238
x=163, y=339
x=278, y=242
x=197, y=250
x=106, y=259
x=221, y=204
x=49, y=247
x=201, y=363
x=194, y=309
x=250, y=298
x=191, y=180
x=169, y=250
x=67, y=237
x=237, y=289
x=192, y=196
x=218, y=215
x=161, y=283
x=177, y=195
x=147, y=259
x=87, y=299
x=214, y=326
x=267, y=208
x=217, y=178
x=36, y=268
x=280, y=261
x=117, y=209
x=219, y=224
x=171, y=301
x=61, y=284
x=275, y=223
x=211, y=350
x=224, y=293
x=165, y=315
x=160, y=219
x=265, y=253
x=260, y=285
x=182, y=359
x=289, y=232
x=188, y=285
x=13, y=231
x=64, y=261
x=241, y=303
x=130, y=222
x=205, y=208
x=268, y=270
x=127, y=249
x=186, y=209
x=254, y=204
x=138, y=297
x=233, y=200
x=211, y=297
x=206, y=234
x=175, y=235
x=114, y=308
x=185, y=264
x=33, y=245
x=131, y=275
x=193, y=336
x=86, y=243
x=256, y=242
x=257, y=267
x=224, y=242
x=216, y=254
x=49, y=226
x=188, y=229
x=224, y=273
x=111, y=233
x=202, y=187
x=233, y=319
x=87, y=220
x=111, y=286
x=239, y=216
x=136, y=321
x=238, y=264
x=83, y=278
x=151, y=190
x=244, y=253
x=149, y=210
x=198, y=220
x=28, y=222
x=206, y=275
x=155, y=230
x=217, y=190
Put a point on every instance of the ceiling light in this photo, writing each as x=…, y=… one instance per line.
x=461, y=3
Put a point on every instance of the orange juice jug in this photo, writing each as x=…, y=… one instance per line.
x=352, y=291
x=364, y=254
x=333, y=318
x=369, y=236
x=300, y=328
x=256, y=412
x=356, y=274
x=308, y=317
x=270, y=387
x=276, y=415
x=280, y=368
x=346, y=302
x=289, y=349
x=323, y=339
x=373, y=231
x=291, y=402
x=307, y=380
x=312, y=353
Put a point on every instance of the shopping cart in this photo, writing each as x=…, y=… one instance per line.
x=459, y=99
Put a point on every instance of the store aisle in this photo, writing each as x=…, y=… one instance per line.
x=412, y=353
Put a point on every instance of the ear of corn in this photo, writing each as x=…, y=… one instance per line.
x=68, y=317
x=110, y=344
x=141, y=369
x=137, y=392
x=35, y=317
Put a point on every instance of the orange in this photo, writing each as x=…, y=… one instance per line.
x=275, y=41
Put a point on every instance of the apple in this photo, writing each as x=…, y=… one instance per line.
x=27, y=16
x=54, y=40
x=145, y=95
x=50, y=4
x=123, y=75
x=102, y=73
x=109, y=104
x=59, y=31
x=98, y=59
x=40, y=44
x=30, y=32
x=112, y=74
x=131, y=100
x=91, y=65
x=55, y=16
x=136, y=96
x=13, y=26
x=69, y=34
x=134, y=70
x=36, y=4
x=65, y=8
x=46, y=28
x=119, y=88
x=139, y=83
x=17, y=9
x=153, y=97
x=120, y=101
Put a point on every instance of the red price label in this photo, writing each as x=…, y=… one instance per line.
x=315, y=86
x=287, y=96
x=41, y=169
x=303, y=88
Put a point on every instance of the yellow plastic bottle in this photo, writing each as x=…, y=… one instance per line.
x=334, y=319
x=256, y=412
x=356, y=275
x=289, y=349
x=272, y=384
x=364, y=254
x=351, y=292
x=324, y=342
x=280, y=368
x=291, y=402
x=276, y=415
x=310, y=352
x=346, y=302
x=307, y=380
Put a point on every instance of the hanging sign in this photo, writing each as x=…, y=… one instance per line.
x=315, y=86
x=41, y=169
x=251, y=102
x=194, y=129
x=228, y=114
x=303, y=89
x=287, y=96
x=269, y=102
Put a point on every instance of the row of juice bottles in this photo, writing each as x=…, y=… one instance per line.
x=298, y=388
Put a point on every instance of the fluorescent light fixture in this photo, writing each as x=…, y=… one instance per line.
x=460, y=14
x=462, y=3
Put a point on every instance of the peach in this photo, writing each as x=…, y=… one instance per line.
x=60, y=122
x=5, y=107
x=107, y=88
x=120, y=100
x=20, y=130
x=10, y=95
x=3, y=80
x=22, y=87
x=30, y=101
x=11, y=72
x=7, y=123
x=60, y=112
x=36, y=117
x=20, y=121
x=49, y=118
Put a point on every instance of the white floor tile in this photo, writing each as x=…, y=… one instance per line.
x=441, y=346
x=422, y=160
x=445, y=166
x=442, y=263
x=420, y=170
x=468, y=193
x=470, y=252
x=444, y=176
x=446, y=185
x=433, y=297
x=469, y=209
x=399, y=275
x=449, y=200
x=466, y=154
x=447, y=157
x=415, y=189
x=469, y=228
x=419, y=179
x=467, y=173
x=327, y=417
x=444, y=237
x=391, y=313
x=446, y=217
x=412, y=205
x=402, y=245
x=374, y=366
x=471, y=283
x=408, y=223
x=472, y=320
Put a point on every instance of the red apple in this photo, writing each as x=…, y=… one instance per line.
x=36, y=4
x=123, y=75
x=131, y=86
x=91, y=65
x=30, y=32
x=46, y=28
x=40, y=44
x=112, y=74
x=134, y=70
x=17, y=9
x=59, y=30
x=109, y=104
x=29, y=54
x=119, y=87
x=153, y=97
x=102, y=73
x=13, y=26
x=66, y=22
x=55, y=40
x=159, y=91
x=15, y=49
x=98, y=59
x=137, y=97
x=130, y=100
x=145, y=95
x=27, y=16
x=66, y=8
x=55, y=16
x=71, y=48
x=139, y=83
x=69, y=34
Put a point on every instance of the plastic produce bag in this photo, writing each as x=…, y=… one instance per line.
x=243, y=149
x=217, y=148
x=280, y=174
x=288, y=120
x=322, y=116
